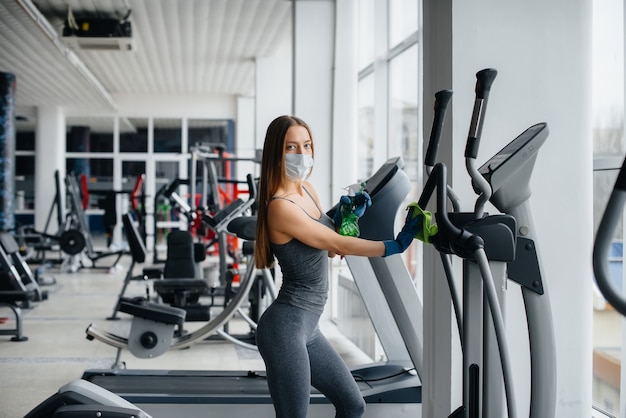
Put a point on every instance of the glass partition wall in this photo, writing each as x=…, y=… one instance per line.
x=108, y=156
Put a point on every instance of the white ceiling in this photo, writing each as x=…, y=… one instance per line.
x=199, y=47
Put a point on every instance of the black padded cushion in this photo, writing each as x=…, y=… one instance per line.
x=135, y=243
x=179, y=263
x=213, y=221
x=155, y=312
x=244, y=227
x=191, y=286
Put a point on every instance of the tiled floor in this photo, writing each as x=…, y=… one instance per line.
x=58, y=352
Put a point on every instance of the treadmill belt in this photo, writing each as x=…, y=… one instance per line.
x=179, y=385
x=378, y=385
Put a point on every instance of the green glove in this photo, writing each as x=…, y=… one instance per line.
x=428, y=228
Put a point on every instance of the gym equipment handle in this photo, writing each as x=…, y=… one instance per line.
x=171, y=188
x=442, y=98
x=484, y=80
x=602, y=246
x=449, y=238
x=620, y=183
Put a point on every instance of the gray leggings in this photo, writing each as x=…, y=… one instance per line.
x=296, y=356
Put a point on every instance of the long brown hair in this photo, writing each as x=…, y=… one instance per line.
x=272, y=176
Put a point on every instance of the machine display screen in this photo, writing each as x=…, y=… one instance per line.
x=519, y=143
x=382, y=176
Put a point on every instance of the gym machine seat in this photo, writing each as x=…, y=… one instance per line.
x=180, y=287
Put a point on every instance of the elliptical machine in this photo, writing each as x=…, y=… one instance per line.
x=494, y=246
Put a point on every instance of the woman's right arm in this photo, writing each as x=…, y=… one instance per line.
x=286, y=221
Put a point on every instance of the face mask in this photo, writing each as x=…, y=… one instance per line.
x=298, y=166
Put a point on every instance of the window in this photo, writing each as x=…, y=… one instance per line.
x=404, y=135
x=365, y=146
x=388, y=104
x=167, y=135
x=388, y=85
x=89, y=152
x=134, y=135
x=207, y=131
x=89, y=135
x=24, y=167
x=25, y=139
x=366, y=33
x=403, y=20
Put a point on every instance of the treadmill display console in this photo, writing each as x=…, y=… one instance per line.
x=383, y=175
x=524, y=146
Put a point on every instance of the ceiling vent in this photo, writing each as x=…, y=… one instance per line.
x=98, y=34
x=99, y=44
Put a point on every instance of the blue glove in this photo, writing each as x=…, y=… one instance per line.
x=361, y=201
x=413, y=224
x=351, y=208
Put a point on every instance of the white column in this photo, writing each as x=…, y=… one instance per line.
x=345, y=106
x=245, y=137
x=442, y=385
x=314, y=32
x=273, y=91
x=49, y=157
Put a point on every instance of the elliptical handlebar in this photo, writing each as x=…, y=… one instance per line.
x=484, y=80
x=442, y=98
x=602, y=246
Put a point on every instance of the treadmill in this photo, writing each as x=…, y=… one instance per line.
x=391, y=388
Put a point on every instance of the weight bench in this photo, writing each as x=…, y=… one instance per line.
x=151, y=332
x=9, y=299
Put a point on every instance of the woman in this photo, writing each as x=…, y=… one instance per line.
x=292, y=227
